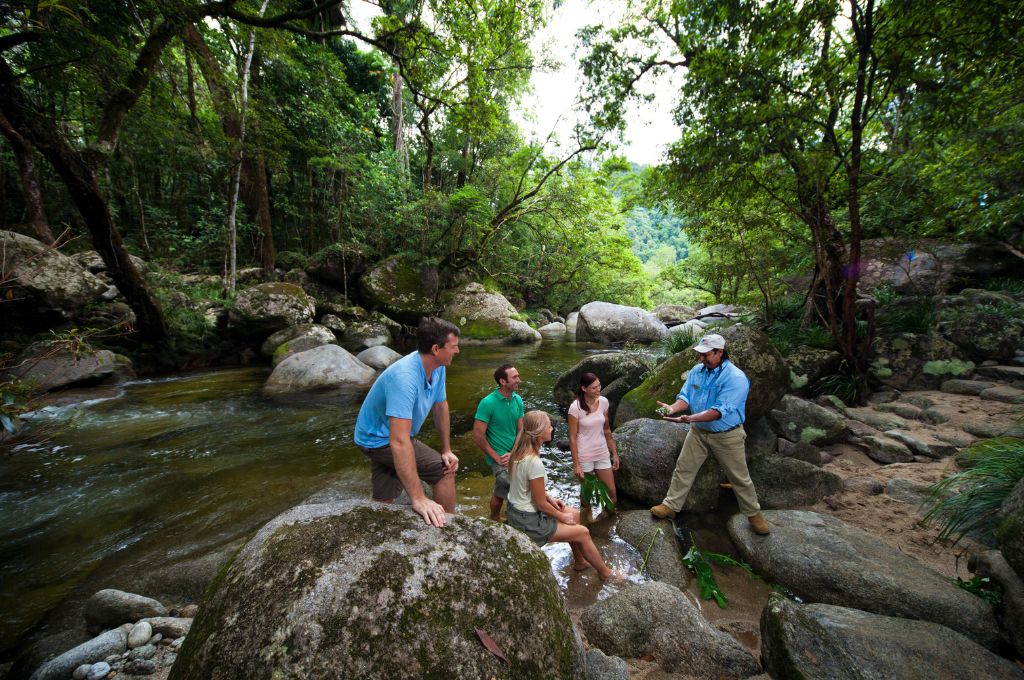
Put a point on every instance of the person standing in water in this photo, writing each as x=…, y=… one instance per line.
x=590, y=435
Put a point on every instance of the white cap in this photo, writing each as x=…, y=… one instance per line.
x=710, y=342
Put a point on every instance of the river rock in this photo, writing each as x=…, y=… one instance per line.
x=923, y=444
x=864, y=485
x=360, y=335
x=555, y=329
x=913, y=361
x=885, y=450
x=608, y=367
x=606, y=323
x=808, y=365
x=992, y=565
x=1003, y=393
x=379, y=357
x=826, y=641
x=928, y=266
x=321, y=368
x=146, y=651
x=655, y=540
x=1010, y=528
x=305, y=598
x=109, y=608
x=978, y=331
x=648, y=450
x=808, y=453
x=140, y=634
x=787, y=482
x=661, y=383
x=1010, y=373
x=111, y=642
x=602, y=667
x=320, y=333
x=44, y=285
x=799, y=420
x=842, y=565
x=269, y=307
x=968, y=387
x=877, y=421
x=658, y=620
x=338, y=265
x=403, y=288
x=483, y=316
x=761, y=439
x=907, y=490
x=49, y=366
x=674, y=314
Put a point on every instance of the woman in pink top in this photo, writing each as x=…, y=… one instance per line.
x=590, y=434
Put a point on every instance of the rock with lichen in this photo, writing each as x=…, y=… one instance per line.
x=485, y=316
x=366, y=590
x=269, y=307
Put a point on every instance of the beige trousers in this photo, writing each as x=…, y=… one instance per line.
x=728, y=449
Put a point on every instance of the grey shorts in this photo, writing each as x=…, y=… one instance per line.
x=386, y=484
x=538, y=526
x=500, y=481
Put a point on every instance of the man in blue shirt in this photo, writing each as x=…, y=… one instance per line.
x=715, y=393
x=392, y=414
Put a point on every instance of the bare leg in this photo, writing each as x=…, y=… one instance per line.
x=496, y=508
x=580, y=536
x=608, y=477
x=444, y=493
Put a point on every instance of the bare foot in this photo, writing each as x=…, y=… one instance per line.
x=581, y=566
x=614, y=576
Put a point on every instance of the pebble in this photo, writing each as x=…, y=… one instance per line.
x=140, y=634
x=189, y=611
x=140, y=667
x=98, y=671
x=155, y=639
x=82, y=672
x=177, y=642
x=143, y=652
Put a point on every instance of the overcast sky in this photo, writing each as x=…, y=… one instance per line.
x=549, y=106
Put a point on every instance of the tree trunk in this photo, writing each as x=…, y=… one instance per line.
x=268, y=254
x=29, y=182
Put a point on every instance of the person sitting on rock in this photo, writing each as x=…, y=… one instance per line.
x=715, y=392
x=531, y=510
x=497, y=424
x=392, y=414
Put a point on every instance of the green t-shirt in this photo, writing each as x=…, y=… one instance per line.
x=501, y=416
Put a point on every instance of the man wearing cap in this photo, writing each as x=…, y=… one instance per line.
x=715, y=393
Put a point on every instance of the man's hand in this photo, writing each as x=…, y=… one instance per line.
x=677, y=419
x=503, y=460
x=451, y=462
x=431, y=512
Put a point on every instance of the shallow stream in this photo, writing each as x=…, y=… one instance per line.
x=158, y=472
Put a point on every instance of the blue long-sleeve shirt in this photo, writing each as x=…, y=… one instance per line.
x=724, y=389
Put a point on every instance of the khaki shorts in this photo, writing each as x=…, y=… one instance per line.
x=386, y=484
x=500, y=481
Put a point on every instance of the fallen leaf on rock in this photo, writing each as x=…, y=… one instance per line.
x=491, y=645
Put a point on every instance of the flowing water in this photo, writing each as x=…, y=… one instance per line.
x=139, y=480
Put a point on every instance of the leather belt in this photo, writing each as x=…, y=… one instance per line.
x=723, y=431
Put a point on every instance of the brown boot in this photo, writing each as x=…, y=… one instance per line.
x=663, y=511
x=758, y=524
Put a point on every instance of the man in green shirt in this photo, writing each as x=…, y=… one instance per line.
x=499, y=420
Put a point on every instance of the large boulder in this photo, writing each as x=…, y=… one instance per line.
x=366, y=590
x=338, y=265
x=40, y=284
x=662, y=383
x=571, y=321
x=825, y=641
x=842, y=565
x=655, y=540
x=657, y=620
x=927, y=266
x=402, y=287
x=606, y=323
x=359, y=335
x=608, y=367
x=982, y=331
x=553, y=330
x=379, y=357
x=483, y=316
x=297, y=339
x=110, y=608
x=269, y=307
x=93, y=262
x=808, y=365
x=753, y=352
x=49, y=366
x=786, y=482
x=321, y=368
x=909, y=361
x=993, y=566
x=648, y=450
x=1010, y=528
x=799, y=420
x=674, y=314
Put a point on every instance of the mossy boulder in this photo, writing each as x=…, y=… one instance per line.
x=606, y=323
x=321, y=334
x=402, y=287
x=338, y=265
x=799, y=420
x=42, y=285
x=484, y=316
x=661, y=384
x=808, y=365
x=915, y=361
x=365, y=590
x=46, y=366
x=981, y=333
x=1010, y=529
x=608, y=367
x=269, y=307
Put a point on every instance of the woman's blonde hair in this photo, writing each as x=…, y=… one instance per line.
x=528, y=443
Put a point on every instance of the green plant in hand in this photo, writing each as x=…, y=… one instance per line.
x=699, y=562
x=594, y=493
x=971, y=499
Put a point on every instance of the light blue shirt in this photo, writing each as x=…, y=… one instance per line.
x=401, y=391
x=723, y=389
